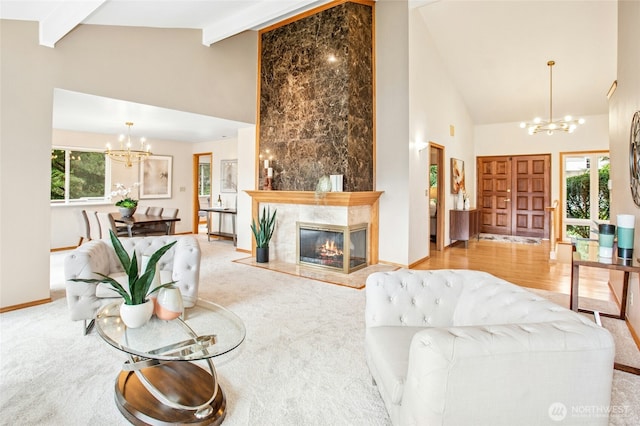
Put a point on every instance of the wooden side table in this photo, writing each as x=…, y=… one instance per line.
x=590, y=259
x=464, y=225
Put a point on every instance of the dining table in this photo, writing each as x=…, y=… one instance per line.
x=139, y=224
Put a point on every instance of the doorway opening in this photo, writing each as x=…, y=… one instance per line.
x=436, y=196
x=513, y=194
x=201, y=187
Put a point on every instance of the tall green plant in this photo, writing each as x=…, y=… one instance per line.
x=138, y=284
x=263, y=231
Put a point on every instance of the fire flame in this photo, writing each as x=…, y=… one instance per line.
x=330, y=249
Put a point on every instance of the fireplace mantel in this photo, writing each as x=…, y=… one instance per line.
x=338, y=199
x=364, y=198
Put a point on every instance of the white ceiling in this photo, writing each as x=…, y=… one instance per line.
x=495, y=51
x=95, y=114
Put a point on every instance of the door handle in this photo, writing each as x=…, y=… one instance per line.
x=507, y=199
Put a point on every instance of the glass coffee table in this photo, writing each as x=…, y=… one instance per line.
x=161, y=383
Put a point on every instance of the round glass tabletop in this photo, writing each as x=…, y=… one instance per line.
x=206, y=330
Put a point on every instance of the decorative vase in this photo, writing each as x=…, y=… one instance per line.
x=262, y=254
x=460, y=201
x=169, y=303
x=135, y=316
x=127, y=211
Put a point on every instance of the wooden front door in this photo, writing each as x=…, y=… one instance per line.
x=513, y=192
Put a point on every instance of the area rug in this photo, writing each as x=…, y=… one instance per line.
x=510, y=239
x=627, y=351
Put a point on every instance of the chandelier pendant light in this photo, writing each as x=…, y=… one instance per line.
x=126, y=154
x=566, y=124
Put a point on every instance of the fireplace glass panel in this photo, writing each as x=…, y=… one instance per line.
x=322, y=247
x=335, y=247
x=358, y=248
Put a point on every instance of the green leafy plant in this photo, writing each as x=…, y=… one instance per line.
x=127, y=203
x=138, y=284
x=263, y=231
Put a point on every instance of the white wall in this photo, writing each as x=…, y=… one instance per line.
x=247, y=178
x=436, y=105
x=624, y=103
x=510, y=139
x=392, y=130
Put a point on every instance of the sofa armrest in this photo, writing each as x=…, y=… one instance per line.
x=473, y=375
x=186, y=269
x=85, y=262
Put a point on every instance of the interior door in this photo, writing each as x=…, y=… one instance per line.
x=531, y=195
x=513, y=194
x=494, y=187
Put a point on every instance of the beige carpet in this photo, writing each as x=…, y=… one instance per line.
x=302, y=362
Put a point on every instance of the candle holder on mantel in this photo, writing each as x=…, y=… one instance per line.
x=268, y=177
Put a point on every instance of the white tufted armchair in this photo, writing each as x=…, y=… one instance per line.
x=461, y=347
x=181, y=263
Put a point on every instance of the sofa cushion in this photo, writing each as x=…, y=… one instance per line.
x=388, y=349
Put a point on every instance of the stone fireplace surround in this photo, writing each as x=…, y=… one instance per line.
x=335, y=208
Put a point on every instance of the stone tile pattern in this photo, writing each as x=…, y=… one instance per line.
x=283, y=243
x=316, y=116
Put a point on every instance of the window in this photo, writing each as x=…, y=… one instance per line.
x=204, y=179
x=585, y=193
x=78, y=175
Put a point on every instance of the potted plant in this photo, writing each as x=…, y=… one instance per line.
x=262, y=232
x=137, y=307
x=127, y=205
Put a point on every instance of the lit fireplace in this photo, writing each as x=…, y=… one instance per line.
x=341, y=248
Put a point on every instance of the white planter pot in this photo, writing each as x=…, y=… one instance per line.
x=135, y=316
x=169, y=303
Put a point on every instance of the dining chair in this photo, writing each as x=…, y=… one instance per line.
x=173, y=213
x=108, y=223
x=154, y=211
x=83, y=226
x=142, y=210
x=94, y=226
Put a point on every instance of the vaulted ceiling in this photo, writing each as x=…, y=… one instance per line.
x=494, y=51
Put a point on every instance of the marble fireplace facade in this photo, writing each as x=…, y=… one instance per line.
x=316, y=98
x=336, y=208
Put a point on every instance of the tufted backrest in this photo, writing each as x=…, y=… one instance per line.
x=444, y=298
x=98, y=257
x=412, y=298
x=182, y=260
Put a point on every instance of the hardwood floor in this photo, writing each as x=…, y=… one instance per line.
x=522, y=264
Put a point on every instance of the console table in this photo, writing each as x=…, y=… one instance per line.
x=464, y=225
x=221, y=212
x=587, y=256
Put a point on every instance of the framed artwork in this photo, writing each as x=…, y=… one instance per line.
x=228, y=175
x=457, y=175
x=155, y=177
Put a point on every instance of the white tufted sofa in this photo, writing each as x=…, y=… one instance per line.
x=461, y=347
x=181, y=263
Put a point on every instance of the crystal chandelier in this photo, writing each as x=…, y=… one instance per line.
x=566, y=124
x=126, y=154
